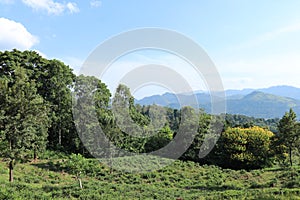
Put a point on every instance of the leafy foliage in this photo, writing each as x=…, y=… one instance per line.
x=90, y=106
x=53, y=80
x=289, y=134
x=244, y=148
x=25, y=122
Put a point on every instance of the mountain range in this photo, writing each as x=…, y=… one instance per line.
x=270, y=102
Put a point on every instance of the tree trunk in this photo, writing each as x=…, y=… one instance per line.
x=290, y=154
x=80, y=182
x=11, y=170
x=59, y=136
x=34, y=155
x=110, y=158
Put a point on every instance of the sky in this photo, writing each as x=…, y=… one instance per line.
x=253, y=43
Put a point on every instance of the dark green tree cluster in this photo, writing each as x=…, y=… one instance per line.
x=24, y=113
x=35, y=103
x=235, y=120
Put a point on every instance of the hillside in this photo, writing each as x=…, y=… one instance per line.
x=262, y=105
x=48, y=179
x=173, y=101
x=270, y=102
x=282, y=90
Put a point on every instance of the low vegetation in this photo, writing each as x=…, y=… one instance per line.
x=55, y=179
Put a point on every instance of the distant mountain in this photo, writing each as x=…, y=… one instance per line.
x=262, y=105
x=173, y=101
x=283, y=90
x=270, y=102
x=238, y=92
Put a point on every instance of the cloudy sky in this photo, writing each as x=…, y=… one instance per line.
x=253, y=43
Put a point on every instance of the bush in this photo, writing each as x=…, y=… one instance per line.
x=243, y=148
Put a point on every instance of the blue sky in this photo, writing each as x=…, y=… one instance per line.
x=252, y=43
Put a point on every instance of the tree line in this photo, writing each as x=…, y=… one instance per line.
x=39, y=98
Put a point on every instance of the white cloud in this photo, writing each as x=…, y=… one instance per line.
x=95, y=3
x=287, y=29
x=265, y=71
x=268, y=36
x=72, y=7
x=15, y=35
x=51, y=7
x=269, y=59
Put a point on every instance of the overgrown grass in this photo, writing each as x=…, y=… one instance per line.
x=50, y=179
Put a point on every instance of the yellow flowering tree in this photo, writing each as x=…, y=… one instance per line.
x=244, y=148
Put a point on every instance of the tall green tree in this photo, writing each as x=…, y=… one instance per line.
x=288, y=133
x=123, y=105
x=57, y=81
x=24, y=119
x=53, y=81
x=91, y=111
x=131, y=123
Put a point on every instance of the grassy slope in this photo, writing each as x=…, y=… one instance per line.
x=186, y=180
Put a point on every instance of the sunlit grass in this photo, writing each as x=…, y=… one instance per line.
x=50, y=179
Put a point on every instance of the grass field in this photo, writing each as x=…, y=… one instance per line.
x=50, y=179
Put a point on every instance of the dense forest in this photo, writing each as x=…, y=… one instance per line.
x=40, y=97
